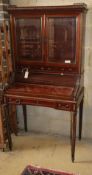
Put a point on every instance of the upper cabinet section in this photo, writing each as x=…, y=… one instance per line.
x=59, y=39
x=48, y=36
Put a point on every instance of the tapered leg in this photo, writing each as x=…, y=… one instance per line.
x=73, y=134
x=80, y=118
x=6, y=109
x=25, y=116
x=13, y=119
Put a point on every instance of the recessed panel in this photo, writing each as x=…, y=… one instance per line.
x=62, y=39
x=29, y=40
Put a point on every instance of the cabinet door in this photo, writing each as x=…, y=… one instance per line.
x=29, y=39
x=61, y=39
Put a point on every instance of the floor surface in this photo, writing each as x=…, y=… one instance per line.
x=46, y=151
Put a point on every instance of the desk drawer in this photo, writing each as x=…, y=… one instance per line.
x=61, y=105
x=32, y=101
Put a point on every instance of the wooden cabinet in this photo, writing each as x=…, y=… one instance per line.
x=2, y=80
x=5, y=69
x=3, y=74
x=47, y=53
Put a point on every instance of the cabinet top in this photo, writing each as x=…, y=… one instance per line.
x=81, y=7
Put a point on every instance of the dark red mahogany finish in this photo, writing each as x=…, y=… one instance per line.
x=47, y=55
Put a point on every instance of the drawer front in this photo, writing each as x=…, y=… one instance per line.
x=32, y=101
x=61, y=105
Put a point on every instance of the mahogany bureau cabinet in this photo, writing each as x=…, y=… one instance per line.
x=4, y=131
x=47, y=57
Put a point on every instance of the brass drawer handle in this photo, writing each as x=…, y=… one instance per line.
x=18, y=101
x=59, y=105
x=67, y=106
x=42, y=68
x=63, y=105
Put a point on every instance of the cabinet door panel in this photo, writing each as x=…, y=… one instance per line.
x=61, y=41
x=29, y=39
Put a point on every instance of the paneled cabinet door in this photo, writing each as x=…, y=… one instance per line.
x=29, y=34
x=61, y=39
